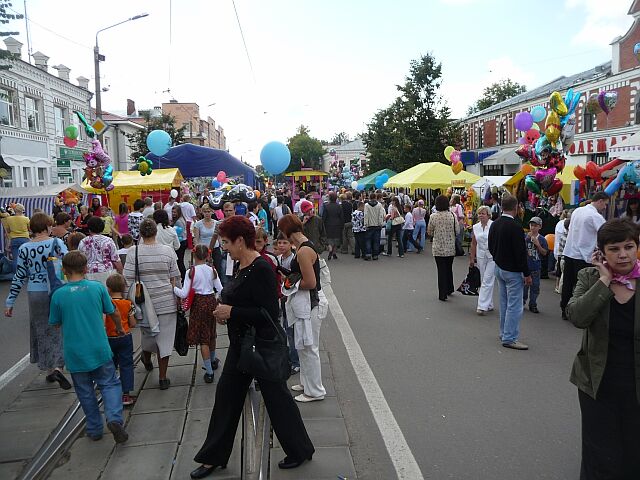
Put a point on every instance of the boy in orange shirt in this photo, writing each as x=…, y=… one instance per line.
x=121, y=346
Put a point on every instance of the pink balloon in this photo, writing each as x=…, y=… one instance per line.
x=455, y=156
x=222, y=176
x=70, y=142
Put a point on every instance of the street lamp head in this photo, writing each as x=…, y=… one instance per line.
x=142, y=15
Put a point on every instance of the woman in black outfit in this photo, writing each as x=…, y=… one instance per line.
x=253, y=287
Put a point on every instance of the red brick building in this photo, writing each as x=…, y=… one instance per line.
x=491, y=139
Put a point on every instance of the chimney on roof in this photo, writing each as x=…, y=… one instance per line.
x=83, y=82
x=14, y=46
x=156, y=112
x=173, y=100
x=131, y=108
x=63, y=72
x=41, y=60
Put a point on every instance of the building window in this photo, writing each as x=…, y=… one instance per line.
x=480, y=139
x=107, y=144
x=32, y=108
x=6, y=178
x=59, y=114
x=638, y=111
x=26, y=176
x=42, y=174
x=601, y=158
x=496, y=170
x=587, y=125
x=7, y=107
x=466, y=140
x=503, y=133
x=76, y=121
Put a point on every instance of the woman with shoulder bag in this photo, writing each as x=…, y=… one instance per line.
x=606, y=370
x=443, y=227
x=396, y=217
x=249, y=304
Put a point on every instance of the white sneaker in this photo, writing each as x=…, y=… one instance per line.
x=305, y=398
x=297, y=388
x=481, y=312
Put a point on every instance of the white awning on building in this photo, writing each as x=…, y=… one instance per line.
x=628, y=150
x=506, y=156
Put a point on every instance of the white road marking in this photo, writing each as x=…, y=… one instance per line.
x=403, y=460
x=14, y=371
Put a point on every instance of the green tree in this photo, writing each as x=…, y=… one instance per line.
x=340, y=138
x=303, y=146
x=138, y=140
x=5, y=18
x=416, y=127
x=496, y=93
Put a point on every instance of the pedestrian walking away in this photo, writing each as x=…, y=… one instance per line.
x=444, y=228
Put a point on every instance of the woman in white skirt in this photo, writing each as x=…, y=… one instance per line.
x=480, y=255
x=159, y=274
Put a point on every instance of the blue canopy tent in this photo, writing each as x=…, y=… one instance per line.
x=196, y=161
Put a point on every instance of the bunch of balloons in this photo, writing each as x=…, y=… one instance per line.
x=452, y=155
x=98, y=170
x=145, y=166
x=629, y=174
x=602, y=102
x=229, y=193
x=381, y=180
x=71, y=136
x=590, y=178
x=275, y=157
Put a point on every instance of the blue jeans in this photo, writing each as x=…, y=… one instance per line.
x=15, y=246
x=372, y=242
x=122, y=348
x=293, y=353
x=420, y=230
x=511, y=287
x=109, y=385
x=535, y=289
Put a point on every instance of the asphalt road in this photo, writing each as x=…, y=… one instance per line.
x=468, y=408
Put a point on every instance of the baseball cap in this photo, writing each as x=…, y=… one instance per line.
x=536, y=220
x=306, y=206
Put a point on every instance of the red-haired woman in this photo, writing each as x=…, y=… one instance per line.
x=252, y=290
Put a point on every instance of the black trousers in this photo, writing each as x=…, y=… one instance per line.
x=396, y=231
x=407, y=237
x=570, y=278
x=610, y=436
x=445, y=276
x=360, y=242
x=230, y=395
x=180, y=254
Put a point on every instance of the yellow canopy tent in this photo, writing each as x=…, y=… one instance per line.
x=128, y=186
x=566, y=176
x=431, y=175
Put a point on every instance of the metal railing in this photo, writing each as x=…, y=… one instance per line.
x=256, y=437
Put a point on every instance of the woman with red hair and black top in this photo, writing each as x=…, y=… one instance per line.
x=252, y=289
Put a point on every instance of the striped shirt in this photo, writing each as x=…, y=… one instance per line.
x=158, y=265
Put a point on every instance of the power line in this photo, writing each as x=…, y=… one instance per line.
x=30, y=20
x=243, y=41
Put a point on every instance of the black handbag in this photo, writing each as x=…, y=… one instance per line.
x=265, y=359
x=180, y=340
x=139, y=298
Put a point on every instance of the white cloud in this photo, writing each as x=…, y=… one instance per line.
x=605, y=20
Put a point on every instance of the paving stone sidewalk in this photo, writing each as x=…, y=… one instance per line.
x=166, y=428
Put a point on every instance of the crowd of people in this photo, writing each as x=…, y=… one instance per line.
x=138, y=268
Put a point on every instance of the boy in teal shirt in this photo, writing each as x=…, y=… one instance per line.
x=78, y=307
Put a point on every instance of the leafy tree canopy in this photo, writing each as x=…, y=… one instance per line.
x=417, y=126
x=5, y=18
x=303, y=146
x=496, y=93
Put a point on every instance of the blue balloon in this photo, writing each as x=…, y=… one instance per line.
x=385, y=177
x=379, y=181
x=215, y=183
x=360, y=187
x=538, y=113
x=275, y=157
x=159, y=142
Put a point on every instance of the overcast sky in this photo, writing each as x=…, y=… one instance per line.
x=327, y=64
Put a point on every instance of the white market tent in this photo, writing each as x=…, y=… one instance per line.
x=627, y=150
x=488, y=182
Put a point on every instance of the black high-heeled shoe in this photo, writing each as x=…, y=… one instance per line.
x=203, y=471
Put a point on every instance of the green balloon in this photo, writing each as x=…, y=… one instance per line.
x=71, y=132
x=531, y=184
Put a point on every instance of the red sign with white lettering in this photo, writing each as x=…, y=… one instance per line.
x=595, y=145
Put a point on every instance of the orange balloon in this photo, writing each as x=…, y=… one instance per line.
x=257, y=192
x=579, y=172
x=527, y=169
x=550, y=238
x=592, y=170
x=456, y=167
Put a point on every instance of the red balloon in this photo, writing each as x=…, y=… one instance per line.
x=592, y=170
x=70, y=142
x=222, y=176
x=555, y=187
x=579, y=172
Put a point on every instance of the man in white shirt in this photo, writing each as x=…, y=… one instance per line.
x=168, y=207
x=188, y=210
x=296, y=207
x=581, y=242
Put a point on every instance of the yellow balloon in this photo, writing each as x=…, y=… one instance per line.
x=552, y=127
x=456, y=167
x=535, y=126
x=557, y=104
x=447, y=152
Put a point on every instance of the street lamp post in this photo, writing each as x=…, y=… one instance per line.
x=97, y=58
